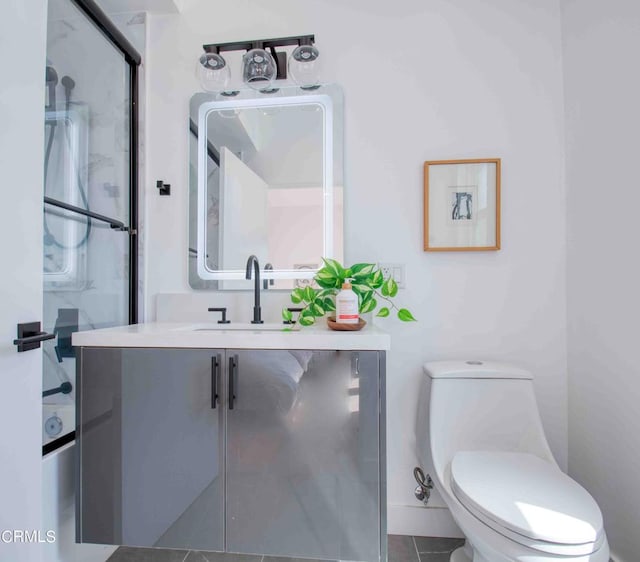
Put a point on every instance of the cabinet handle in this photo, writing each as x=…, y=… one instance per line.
x=233, y=364
x=215, y=374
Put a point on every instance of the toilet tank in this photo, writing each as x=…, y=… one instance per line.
x=476, y=406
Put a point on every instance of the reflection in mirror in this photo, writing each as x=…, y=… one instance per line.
x=265, y=179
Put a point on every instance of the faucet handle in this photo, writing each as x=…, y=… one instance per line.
x=224, y=314
x=292, y=309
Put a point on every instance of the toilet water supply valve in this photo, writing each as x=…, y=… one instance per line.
x=424, y=487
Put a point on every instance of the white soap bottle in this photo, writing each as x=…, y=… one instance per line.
x=347, y=305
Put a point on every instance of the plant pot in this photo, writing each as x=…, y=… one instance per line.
x=338, y=327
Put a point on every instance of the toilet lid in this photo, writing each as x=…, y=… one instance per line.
x=526, y=495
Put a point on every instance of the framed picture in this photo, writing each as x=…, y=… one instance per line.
x=462, y=205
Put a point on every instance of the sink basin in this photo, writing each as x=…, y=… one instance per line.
x=241, y=327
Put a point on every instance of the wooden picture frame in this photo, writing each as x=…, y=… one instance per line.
x=462, y=205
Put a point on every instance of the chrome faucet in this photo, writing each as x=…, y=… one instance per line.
x=267, y=282
x=257, y=313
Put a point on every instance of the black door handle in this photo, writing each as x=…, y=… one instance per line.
x=233, y=364
x=30, y=336
x=215, y=373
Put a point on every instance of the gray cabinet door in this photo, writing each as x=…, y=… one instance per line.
x=303, y=452
x=151, y=448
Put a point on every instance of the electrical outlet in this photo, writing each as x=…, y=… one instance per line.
x=395, y=270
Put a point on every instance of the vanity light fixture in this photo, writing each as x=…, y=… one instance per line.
x=262, y=64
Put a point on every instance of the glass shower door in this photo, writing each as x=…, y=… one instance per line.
x=87, y=201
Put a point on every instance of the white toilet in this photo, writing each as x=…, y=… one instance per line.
x=480, y=438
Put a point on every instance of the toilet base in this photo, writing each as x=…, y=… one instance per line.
x=466, y=553
x=459, y=555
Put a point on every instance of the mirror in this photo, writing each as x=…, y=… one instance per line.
x=265, y=179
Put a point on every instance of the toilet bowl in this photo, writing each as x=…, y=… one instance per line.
x=480, y=438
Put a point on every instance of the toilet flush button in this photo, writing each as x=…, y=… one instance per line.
x=474, y=362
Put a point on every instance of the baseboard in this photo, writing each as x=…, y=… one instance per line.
x=421, y=521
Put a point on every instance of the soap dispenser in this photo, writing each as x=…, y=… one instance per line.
x=347, y=305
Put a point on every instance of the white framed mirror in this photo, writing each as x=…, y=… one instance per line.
x=266, y=179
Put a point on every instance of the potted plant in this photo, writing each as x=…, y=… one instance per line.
x=375, y=292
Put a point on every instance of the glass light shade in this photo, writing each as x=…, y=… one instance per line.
x=258, y=69
x=304, y=66
x=213, y=72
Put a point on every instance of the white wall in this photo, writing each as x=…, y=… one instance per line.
x=602, y=89
x=423, y=81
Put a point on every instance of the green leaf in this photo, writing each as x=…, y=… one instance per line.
x=383, y=312
x=306, y=317
x=385, y=289
x=306, y=320
x=363, y=301
x=309, y=294
x=287, y=315
x=393, y=288
x=369, y=305
x=326, y=283
x=316, y=309
x=377, y=279
x=362, y=270
x=328, y=304
x=326, y=293
x=389, y=288
x=297, y=295
x=361, y=289
x=325, y=278
x=405, y=315
x=335, y=268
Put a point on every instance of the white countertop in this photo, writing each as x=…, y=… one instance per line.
x=213, y=336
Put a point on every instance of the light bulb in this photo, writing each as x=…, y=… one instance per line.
x=213, y=72
x=258, y=69
x=304, y=66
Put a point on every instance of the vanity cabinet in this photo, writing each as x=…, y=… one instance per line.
x=258, y=451
x=149, y=446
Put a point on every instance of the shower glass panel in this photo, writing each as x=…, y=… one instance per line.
x=86, y=170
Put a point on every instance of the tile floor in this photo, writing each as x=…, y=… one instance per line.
x=401, y=549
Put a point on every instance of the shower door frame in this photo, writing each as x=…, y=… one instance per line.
x=103, y=23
